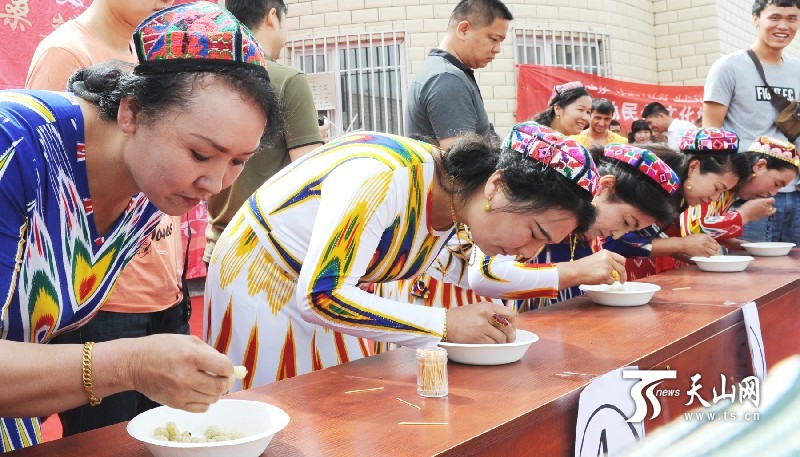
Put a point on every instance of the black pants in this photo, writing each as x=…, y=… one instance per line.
x=107, y=326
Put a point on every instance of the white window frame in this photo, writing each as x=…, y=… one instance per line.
x=556, y=48
x=383, y=66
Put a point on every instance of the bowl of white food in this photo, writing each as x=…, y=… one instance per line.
x=768, y=249
x=241, y=428
x=723, y=263
x=490, y=353
x=627, y=294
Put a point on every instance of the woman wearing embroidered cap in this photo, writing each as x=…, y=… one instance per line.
x=773, y=164
x=283, y=282
x=634, y=191
x=709, y=165
x=445, y=284
x=568, y=110
x=83, y=181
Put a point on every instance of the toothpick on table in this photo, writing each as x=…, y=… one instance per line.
x=422, y=423
x=409, y=404
x=682, y=288
x=363, y=390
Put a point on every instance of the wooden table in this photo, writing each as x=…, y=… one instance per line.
x=528, y=407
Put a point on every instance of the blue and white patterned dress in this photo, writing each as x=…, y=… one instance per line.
x=55, y=269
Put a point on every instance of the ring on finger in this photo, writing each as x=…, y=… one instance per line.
x=499, y=321
x=615, y=275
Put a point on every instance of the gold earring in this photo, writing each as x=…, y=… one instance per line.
x=487, y=206
x=754, y=173
x=688, y=186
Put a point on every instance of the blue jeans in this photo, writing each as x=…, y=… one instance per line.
x=106, y=326
x=784, y=225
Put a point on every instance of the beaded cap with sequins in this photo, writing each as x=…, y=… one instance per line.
x=779, y=149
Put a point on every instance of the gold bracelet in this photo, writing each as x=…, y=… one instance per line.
x=86, y=368
x=444, y=331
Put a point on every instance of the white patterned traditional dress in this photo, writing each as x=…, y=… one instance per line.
x=282, y=291
x=55, y=269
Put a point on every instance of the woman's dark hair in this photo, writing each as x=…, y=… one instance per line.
x=530, y=186
x=635, y=188
x=639, y=125
x=562, y=100
x=773, y=163
x=105, y=84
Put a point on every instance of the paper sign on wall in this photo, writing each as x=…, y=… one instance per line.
x=603, y=411
x=323, y=89
x=752, y=325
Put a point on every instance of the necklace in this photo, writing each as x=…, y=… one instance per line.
x=573, y=243
x=462, y=234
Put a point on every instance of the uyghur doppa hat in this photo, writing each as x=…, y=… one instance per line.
x=709, y=140
x=199, y=36
x=556, y=151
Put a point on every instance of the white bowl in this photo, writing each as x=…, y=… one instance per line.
x=258, y=421
x=723, y=263
x=630, y=294
x=768, y=249
x=490, y=354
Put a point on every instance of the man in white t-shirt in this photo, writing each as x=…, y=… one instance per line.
x=661, y=122
x=737, y=99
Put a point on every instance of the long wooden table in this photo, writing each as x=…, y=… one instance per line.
x=528, y=407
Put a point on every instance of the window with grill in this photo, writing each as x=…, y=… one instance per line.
x=588, y=52
x=364, y=75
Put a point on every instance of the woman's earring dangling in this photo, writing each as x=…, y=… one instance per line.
x=688, y=186
x=487, y=206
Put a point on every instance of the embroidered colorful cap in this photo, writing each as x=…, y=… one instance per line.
x=558, y=152
x=709, y=140
x=779, y=149
x=646, y=162
x=560, y=88
x=197, y=36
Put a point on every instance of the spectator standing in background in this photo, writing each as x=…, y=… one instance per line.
x=640, y=133
x=149, y=296
x=444, y=101
x=301, y=134
x=599, y=133
x=661, y=122
x=737, y=99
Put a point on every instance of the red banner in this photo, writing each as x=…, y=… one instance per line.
x=23, y=24
x=535, y=84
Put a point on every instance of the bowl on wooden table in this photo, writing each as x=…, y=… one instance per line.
x=723, y=263
x=255, y=421
x=768, y=248
x=492, y=353
x=627, y=294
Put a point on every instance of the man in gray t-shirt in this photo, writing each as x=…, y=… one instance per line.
x=737, y=99
x=444, y=101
